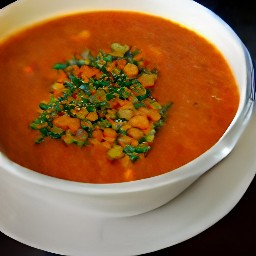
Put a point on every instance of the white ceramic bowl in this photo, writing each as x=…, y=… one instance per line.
x=35, y=191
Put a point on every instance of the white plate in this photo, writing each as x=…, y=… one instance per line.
x=199, y=207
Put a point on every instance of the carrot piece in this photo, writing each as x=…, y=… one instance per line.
x=135, y=133
x=122, y=102
x=76, y=71
x=109, y=132
x=92, y=116
x=98, y=135
x=121, y=63
x=126, y=126
x=67, y=123
x=125, y=113
x=139, y=121
x=62, y=76
x=89, y=71
x=154, y=115
x=127, y=105
x=131, y=70
x=124, y=140
x=109, y=135
x=149, y=129
x=129, y=174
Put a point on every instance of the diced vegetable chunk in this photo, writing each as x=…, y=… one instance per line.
x=140, y=121
x=131, y=70
x=66, y=122
x=119, y=50
x=125, y=113
x=116, y=152
x=135, y=133
x=147, y=80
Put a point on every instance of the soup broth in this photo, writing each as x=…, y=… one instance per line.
x=192, y=74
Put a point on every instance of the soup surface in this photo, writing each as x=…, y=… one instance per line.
x=192, y=74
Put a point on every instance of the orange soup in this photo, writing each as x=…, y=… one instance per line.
x=182, y=69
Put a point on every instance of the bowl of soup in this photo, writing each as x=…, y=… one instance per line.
x=114, y=108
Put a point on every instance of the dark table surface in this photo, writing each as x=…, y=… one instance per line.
x=235, y=233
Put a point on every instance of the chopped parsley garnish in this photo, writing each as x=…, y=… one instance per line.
x=104, y=99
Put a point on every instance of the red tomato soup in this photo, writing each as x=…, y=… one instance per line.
x=191, y=74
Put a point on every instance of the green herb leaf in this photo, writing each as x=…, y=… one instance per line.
x=60, y=66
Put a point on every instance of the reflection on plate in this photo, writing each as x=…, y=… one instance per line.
x=199, y=207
